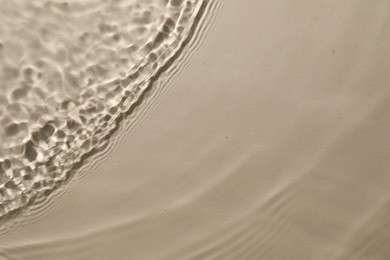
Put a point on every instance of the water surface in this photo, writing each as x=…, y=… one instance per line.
x=264, y=138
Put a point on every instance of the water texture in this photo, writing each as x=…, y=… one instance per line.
x=265, y=136
x=69, y=71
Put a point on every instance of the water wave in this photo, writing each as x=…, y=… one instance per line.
x=70, y=71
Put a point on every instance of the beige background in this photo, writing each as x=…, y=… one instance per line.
x=267, y=139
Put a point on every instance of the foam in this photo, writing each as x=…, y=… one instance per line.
x=69, y=71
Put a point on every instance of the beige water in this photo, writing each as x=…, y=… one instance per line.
x=71, y=70
x=264, y=137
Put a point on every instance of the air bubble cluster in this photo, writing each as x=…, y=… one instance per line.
x=69, y=71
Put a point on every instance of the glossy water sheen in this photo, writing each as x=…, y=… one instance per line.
x=69, y=71
x=266, y=137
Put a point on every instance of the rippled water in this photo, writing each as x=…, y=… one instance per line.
x=70, y=70
x=195, y=130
